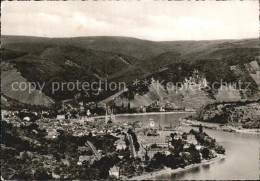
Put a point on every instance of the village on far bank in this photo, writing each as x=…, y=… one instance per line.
x=230, y=114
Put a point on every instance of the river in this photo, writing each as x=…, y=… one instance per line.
x=242, y=152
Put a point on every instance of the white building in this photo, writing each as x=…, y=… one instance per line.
x=151, y=123
x=114, y=171
x=60, y=117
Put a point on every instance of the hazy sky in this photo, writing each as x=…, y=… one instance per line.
x=152, y=20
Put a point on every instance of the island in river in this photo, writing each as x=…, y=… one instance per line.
x=182, y=151
x=185, y=151
x=241, y=149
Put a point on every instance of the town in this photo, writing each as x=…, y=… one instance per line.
x=96, y=147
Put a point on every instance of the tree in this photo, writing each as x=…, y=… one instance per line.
x=157, y=162
x=41, y=174
x=205, y=153
x=195, y=154
x=140, y=169
x=173, y=135
x=90, y=134
x=220, y=149
x=127, y=142
x=23, y=175
x=178, y=146
x=137, y=146
x=172, y=161
x=90, y=174
x=200, y=128
x=129, y=106
x=146, y=157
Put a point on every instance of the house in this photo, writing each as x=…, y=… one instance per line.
x=60, y=117
x=25, y=153
x=85, y=158
x=55, y=176
x=120, y=144
x=83, y=149
x=152, y=151
x=143, y=109
x=52, y=133
x=232, y=67
x=162, y=109
x=191, y=139
x=114, y=171
x=65, y=162
x=26, y=119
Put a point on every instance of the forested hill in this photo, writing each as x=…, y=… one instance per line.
x=48, y=60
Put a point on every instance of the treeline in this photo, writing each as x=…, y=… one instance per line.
x=134, y=138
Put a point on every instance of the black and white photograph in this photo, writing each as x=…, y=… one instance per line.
x=130, y=90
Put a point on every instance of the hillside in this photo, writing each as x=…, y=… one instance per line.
x=123, y=59
x=193, y=86
x=140, y=49
x=137, y=48
x=240, y=114
x=11, y=75
x=48, y=63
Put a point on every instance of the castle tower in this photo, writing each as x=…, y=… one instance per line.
x=151, y=123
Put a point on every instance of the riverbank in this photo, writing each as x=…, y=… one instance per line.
x=149, y=176
x=147, y=113
x=152, y=113
x=227, y=128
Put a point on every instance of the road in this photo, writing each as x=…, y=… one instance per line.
x=132, y=148
x=93, y=148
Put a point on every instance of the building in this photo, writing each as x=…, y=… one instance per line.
x=152, y=151
x=191, y=139
x=151, y=123
x=26, y=119
x=120, y=144
x=60, y=117
x=143, y=109
x=189, y=110
x=114, y=171
x=161, y=141
x=162, y=109
x=86, y=158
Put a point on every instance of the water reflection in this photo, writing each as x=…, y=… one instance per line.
x=206, y=167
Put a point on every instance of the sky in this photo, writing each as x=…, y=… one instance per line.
x=151, y=20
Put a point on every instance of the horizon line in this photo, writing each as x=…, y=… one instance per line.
x=129, y=37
